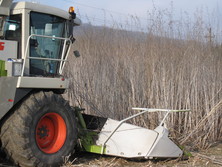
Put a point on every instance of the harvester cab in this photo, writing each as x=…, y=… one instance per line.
x=35, y=41
x=34, y=46
x=36, y=37
x=37, y=126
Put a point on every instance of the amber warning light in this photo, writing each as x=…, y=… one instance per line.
x=71, y=10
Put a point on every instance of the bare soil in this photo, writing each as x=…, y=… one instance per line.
x=210, y=158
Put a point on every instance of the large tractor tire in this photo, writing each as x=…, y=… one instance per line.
x=40, y=132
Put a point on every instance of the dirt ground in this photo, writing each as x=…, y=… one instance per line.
x=210, y=158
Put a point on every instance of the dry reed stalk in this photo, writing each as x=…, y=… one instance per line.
x=213, y=160
x=119, y=70
x=202, y=122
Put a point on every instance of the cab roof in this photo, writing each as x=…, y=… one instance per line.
x=40, y=8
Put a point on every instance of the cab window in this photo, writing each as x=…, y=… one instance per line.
x=41, y=47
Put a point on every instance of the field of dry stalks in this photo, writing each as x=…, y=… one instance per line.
x=170, y=66
x=209, y=158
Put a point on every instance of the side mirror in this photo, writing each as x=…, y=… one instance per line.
x=72, y=39
x=77, y=22
x=76, y=53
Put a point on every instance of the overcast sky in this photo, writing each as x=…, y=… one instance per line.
x=119, y=10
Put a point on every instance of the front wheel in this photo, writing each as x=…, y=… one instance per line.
x=41, y=131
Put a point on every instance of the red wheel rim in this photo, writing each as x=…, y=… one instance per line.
x=51, y=133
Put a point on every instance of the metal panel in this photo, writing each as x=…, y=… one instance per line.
x=9, y=50
x=5, y=6
x=9, y=95
x=7, y=92
x=164, y=147
x=41, y=8
x=43, y=83
x=128, y=141
x=124, y=140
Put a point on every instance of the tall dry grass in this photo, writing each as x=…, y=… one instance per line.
x=171, y=65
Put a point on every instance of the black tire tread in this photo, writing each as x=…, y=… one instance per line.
x=14, y=131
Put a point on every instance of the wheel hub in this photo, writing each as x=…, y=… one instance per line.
x=50, y=133
x=43, y=132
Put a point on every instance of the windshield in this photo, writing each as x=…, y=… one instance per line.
x=47, y=25
x=12, y=29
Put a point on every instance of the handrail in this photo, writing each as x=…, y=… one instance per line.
x=42, y=58
x=160, y=110
x=45, y=36
x=144, y=110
